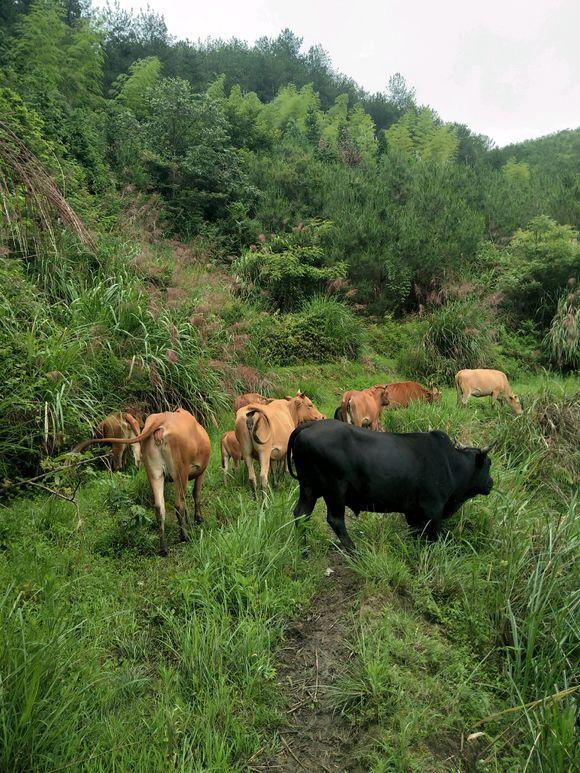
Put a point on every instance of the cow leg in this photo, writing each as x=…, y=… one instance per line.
x=249, y=462
x=277, y=472
x=495, y=395
x=433, y=527
x=197, y=497
x=225, y=458
x=335, y=519
x=118, y=452
x=264, y=471
x=303, y=511
x=181, y=507
x=159, y=500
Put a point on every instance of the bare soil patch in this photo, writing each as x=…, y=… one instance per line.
x=313, y=656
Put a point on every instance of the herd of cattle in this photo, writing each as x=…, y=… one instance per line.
x=420, y=474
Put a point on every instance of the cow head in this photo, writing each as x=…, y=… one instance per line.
x=381, y=393
x=514, y=403
x=434, y=393
x=481, y=481
x=305, y=409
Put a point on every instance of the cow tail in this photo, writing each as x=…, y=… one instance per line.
x=349, y=418
x=253, y=425
x=289, y=453
x=132, y=422
x=120, y=441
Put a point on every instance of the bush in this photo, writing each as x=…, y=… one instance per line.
x=392, y=338
x=459, y=335
x=540, y=261
x=324, y=330
x=562, y=341
x=290, y=268
x=68, y=365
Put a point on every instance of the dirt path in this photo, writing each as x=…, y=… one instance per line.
x=311, y=659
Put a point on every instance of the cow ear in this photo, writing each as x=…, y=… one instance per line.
x=288, y=398
x=480, y=457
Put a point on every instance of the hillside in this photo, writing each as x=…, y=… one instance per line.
x=182, y=223
x=554, y=154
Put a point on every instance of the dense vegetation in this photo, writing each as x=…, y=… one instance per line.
x=181, y=221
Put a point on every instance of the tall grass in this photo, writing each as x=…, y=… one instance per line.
x=459, y=335
x=117, y=659
x=70, y=361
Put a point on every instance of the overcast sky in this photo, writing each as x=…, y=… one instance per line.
x=507, y=68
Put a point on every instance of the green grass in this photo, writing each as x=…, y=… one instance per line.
x=114, y=658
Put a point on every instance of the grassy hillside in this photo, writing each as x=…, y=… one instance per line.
x=114, y=657
x=183, y=222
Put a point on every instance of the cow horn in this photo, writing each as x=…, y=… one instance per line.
x=488, y=448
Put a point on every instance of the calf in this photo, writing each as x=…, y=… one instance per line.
x=483, y=382
x=263, y=431
x=174, y=446
x=119, y=425
x=420, y=474
x=364, y=408
x=230, y=450
x=402, y=393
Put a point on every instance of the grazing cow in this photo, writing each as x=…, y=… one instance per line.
x=119, y=425
x=230, y=450
x=483, y=382
x=364, y=408
x=250, y=397
x=175, y=446
x=402, y=393
x=420, y=474
x=263, y=431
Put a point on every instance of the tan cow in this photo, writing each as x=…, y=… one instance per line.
x=230, y=449
x=250, y=397
x=263, y=431
x=483, y=382
x=363, y=408
x=119, y=425
x=174, y=446
x=402, y=393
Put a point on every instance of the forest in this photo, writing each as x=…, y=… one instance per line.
x=183, y=222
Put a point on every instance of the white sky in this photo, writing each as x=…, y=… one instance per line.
x=509, y=69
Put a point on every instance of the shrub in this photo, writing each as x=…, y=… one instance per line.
x=562, y=341
x=290, y=268
x=540, y=261
x=391, y=338
x=459, y=336
x=324, y=330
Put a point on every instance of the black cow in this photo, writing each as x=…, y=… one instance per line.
x=420, y=474
x=338, y=413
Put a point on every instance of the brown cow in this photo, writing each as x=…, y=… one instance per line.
x=263, y=431
x=364, y=408
x=119, y=425
x=175, y=446
x=483, y=382
x=250, y=397
x=402, y=393
x=230, y=450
